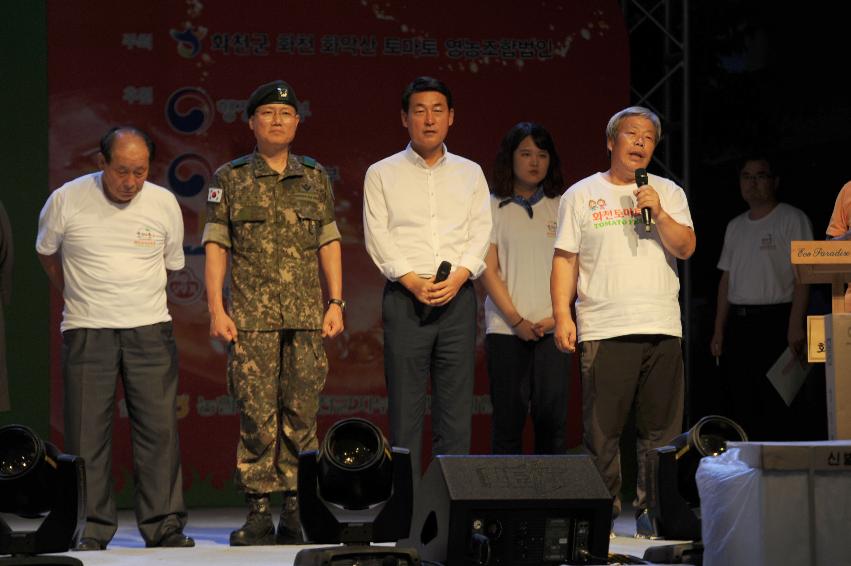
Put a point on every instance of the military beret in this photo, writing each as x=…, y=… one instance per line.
x=275, y=92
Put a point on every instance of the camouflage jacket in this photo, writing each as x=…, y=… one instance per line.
x=273, y=225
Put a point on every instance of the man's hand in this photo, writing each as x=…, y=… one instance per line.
x=647, y=197
x=565, y=335
x=418, y=286
x=222, y=327
x=797, y=338
x=716, y=344
x=332, y=323
x=443, y=292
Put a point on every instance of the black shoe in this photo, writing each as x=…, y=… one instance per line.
x=285, y=535
x=258, y=529
x=289, y=527
x=89, y=543
x=174, y=539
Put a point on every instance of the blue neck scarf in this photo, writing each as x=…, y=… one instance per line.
x=525, y=203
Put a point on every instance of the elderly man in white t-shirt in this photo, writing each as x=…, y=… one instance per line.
x=106, y=240
x=625, y=279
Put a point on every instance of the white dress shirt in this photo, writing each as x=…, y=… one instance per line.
x=416, y=216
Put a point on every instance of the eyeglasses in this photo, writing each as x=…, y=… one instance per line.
x=268, y=115
x=757, y=177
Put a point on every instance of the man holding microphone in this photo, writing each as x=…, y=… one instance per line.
x=625, y=278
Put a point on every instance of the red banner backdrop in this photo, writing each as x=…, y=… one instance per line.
x=183, y=71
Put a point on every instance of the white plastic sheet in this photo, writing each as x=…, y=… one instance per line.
x=729, y=510
x=757, y=517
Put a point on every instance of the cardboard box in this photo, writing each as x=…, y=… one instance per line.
x=820, y=456
x=816, y=348
x=777, y=503
x=837, y=328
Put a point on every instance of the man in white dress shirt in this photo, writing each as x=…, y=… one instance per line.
x=423, y=206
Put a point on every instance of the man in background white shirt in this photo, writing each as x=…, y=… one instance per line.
x=423, y=206
x=761, y=309
x=106, y=240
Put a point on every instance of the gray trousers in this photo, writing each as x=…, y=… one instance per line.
x=146, y=360
x=640, y=371
x=441, y=350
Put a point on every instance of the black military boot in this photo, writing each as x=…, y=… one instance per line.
x=258, y=528
x=289, y=527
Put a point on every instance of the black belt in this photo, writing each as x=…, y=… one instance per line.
x=758, y=310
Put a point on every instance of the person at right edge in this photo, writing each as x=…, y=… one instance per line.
x=627, y=311
x=839, y=227
x=761, y=308
x=273, y=213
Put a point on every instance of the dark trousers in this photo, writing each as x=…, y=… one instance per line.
x=526, y=376
x=644, y=372
x=146, y=360
x=441, y=350
x=754, y=338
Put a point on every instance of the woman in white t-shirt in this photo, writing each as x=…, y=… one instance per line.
x=525, y=369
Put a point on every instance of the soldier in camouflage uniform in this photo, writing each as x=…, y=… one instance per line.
x=273, y=212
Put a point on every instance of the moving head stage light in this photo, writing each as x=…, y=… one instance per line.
x=36, y=480
x=673, y=503
x=355, y=490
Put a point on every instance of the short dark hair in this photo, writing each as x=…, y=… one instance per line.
x=503, y=170
x=425, y=84
x=108, y=141
x=755, y=156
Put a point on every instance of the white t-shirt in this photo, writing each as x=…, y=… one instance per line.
x=757, y=255
x=114, y=256
x=628, y=282
x=525, y=251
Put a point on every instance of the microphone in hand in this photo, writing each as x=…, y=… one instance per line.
x=641, y=180
x=442, y=273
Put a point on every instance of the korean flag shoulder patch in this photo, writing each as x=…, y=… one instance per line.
x=214, y=194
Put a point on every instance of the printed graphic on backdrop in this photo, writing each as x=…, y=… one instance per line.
x=183, y=71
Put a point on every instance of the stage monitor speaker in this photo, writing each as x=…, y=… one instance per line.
x=511, y=511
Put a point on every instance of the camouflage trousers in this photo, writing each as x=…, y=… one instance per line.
x=275, y=377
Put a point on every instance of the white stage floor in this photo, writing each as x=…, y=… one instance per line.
x=210, y=527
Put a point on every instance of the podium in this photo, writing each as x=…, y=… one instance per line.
x=830, y=262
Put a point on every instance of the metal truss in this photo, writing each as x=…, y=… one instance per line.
x=659, y=48
x=659, y=42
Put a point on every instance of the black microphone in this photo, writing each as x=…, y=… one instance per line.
x=641, y=180
x=442, y=273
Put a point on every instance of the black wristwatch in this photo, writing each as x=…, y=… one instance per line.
x=339, y=302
